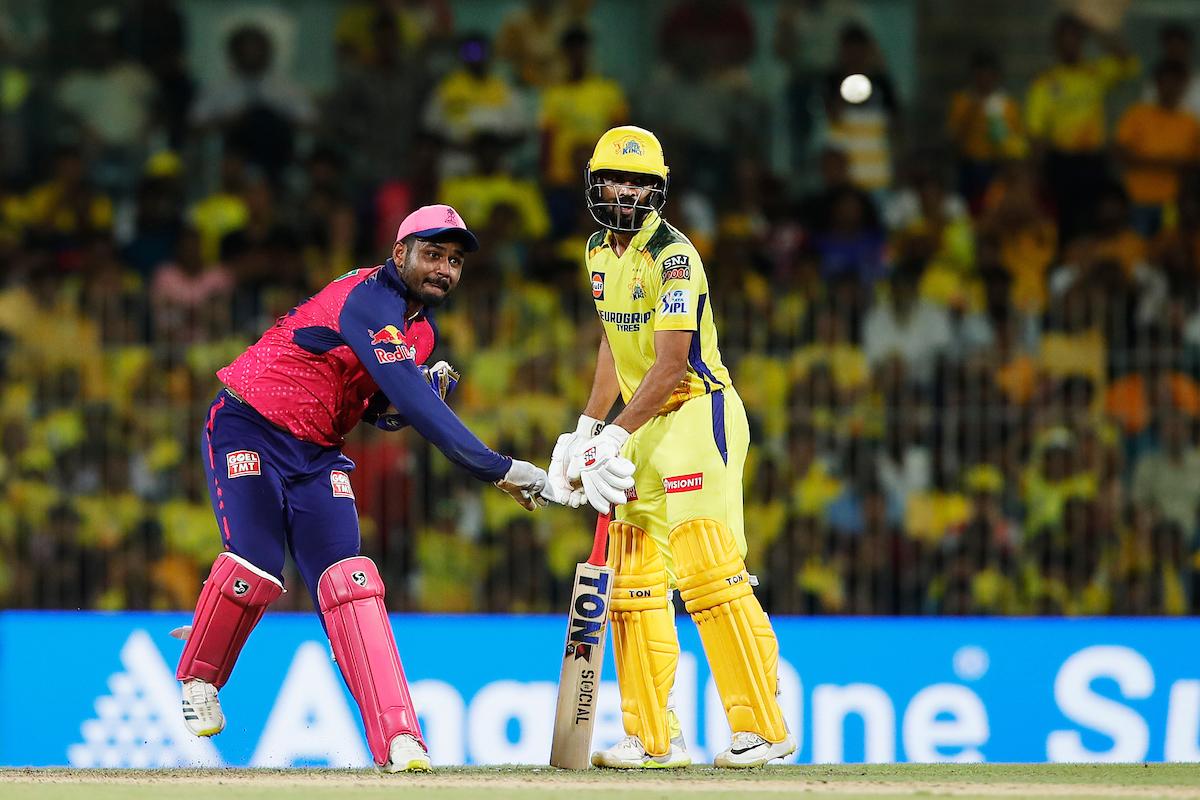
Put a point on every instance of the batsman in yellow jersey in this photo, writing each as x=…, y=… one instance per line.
x=671, y=465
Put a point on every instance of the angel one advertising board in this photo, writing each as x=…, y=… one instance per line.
x=98, y=690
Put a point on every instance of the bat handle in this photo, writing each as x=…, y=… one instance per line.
x=599, y=556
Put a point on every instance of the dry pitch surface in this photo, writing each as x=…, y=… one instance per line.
x=541, y=783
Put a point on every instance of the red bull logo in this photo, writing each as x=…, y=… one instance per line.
x=388, y=334
x=402, y=352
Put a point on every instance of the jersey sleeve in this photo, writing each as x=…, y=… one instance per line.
x=370, y=307
x=1038, y=104
x=679, y=283
x=1113, y=69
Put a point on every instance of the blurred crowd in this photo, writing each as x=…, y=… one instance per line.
x=971, y=365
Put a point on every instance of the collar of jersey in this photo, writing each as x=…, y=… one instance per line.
x=390, y=276
x=640, y=238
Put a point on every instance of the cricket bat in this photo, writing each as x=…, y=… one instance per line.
x=579, y=681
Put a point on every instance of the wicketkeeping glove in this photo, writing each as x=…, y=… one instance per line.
x=442, y=378
x=524, y=482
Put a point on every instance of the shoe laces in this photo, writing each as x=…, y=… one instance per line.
x=409, y=739
x=630, y=742
x=200, y=693
x=744, y=739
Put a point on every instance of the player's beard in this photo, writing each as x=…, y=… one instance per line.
x=429, y=297
x=421, y=288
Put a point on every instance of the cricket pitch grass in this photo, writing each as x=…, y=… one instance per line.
x=847, y=782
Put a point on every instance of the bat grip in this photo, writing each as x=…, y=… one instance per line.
x=599, y=557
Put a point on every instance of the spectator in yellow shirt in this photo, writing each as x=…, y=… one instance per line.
x=1064, y=114
x=529, y=38
x=224, y=211
x=477, y=193
x=409, y=24
x=985, y=125
x=1015, y=219
x=1156, y=142
x=66, y=210
x=473, y=99
x=575, y=110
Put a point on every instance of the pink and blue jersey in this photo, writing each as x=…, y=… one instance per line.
x=315, y=371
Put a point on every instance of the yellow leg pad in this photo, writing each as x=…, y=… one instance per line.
x=737, y=636
x=645, y=647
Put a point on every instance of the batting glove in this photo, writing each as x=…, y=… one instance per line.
x=606, y=476
x=524, y=482
x=585, y=431
x=558, y=488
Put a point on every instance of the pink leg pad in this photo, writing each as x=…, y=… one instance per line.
x=231, y=603
x=350, y=594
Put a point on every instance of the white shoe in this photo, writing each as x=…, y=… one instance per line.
x=630, y=754
x=751, y=750
x=405, y=754
x=201, y=709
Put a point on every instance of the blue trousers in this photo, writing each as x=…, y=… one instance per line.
x=271, y=491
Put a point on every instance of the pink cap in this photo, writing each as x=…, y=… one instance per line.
x=428, y=222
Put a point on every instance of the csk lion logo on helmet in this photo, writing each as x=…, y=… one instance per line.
x=627, y=147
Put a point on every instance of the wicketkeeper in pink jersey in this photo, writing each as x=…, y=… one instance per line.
x=278, y=479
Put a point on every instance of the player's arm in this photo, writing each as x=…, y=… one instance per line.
x=604, y=384
x=401, y=381
x=670, y=365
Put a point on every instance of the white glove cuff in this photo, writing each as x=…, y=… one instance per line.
x=617, y=434
x=588, y=426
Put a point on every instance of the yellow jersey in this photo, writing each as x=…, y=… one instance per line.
x=1065, y=105
x=657, y=284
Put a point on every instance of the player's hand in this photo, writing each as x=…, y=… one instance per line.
x=558, y=488
x=605, y=474
x=390, y=422
x=524, y=482
x=442, y=378
x=585, y=431
x=608, y=486
x=378, y=415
